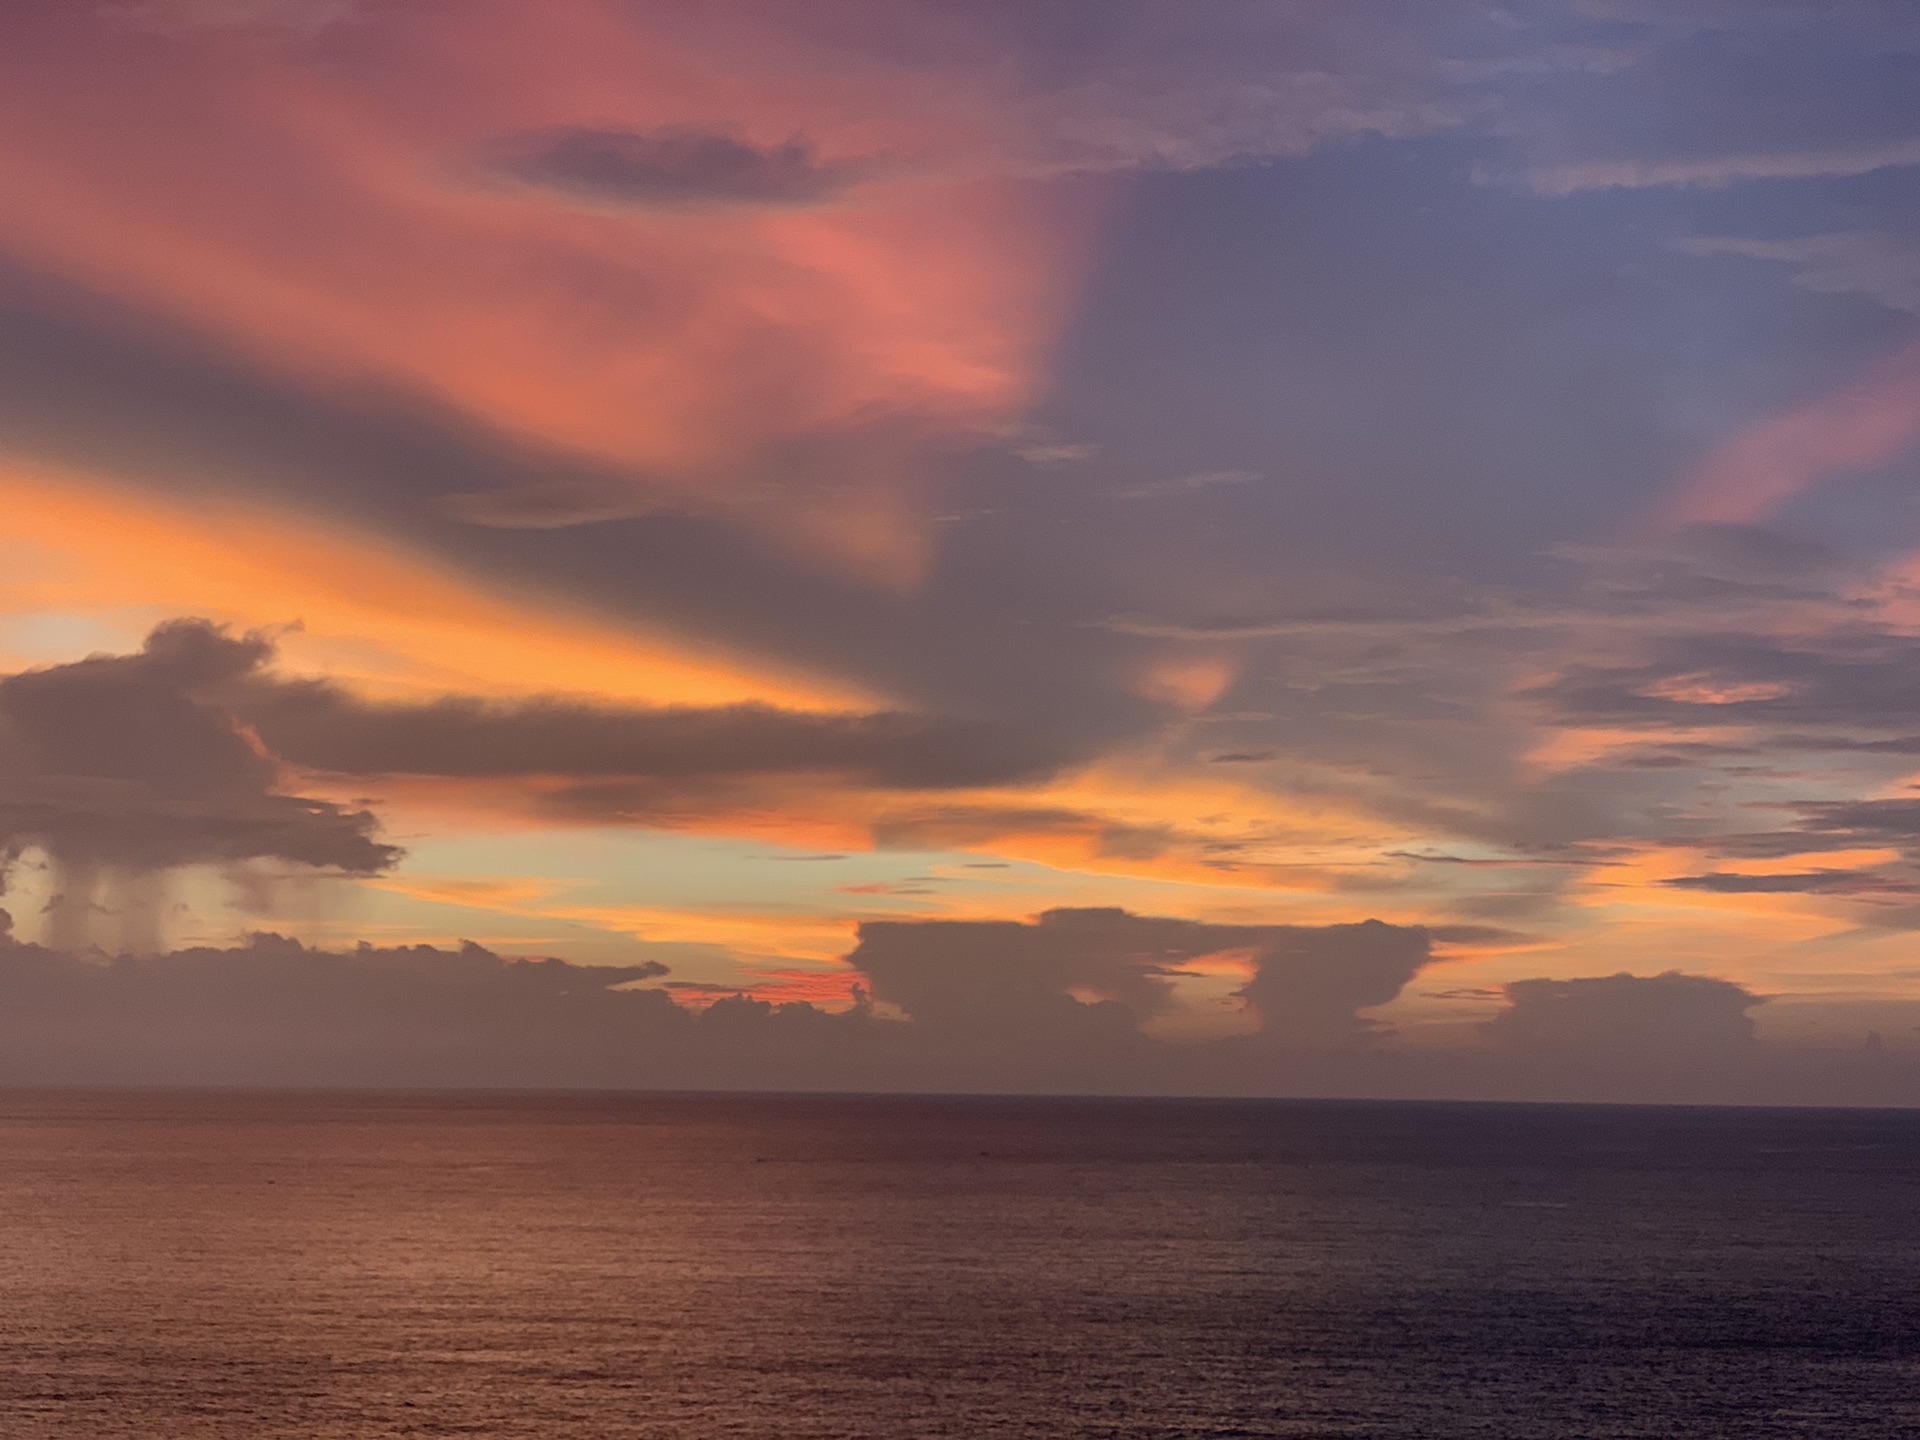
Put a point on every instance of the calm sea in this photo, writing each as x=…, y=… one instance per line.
x=374, y=1265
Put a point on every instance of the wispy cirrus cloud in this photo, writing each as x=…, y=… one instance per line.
x=1707, y=172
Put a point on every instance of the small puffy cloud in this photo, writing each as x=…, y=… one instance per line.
x=672, y=168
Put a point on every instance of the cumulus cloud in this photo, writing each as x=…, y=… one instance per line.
x=120, y=766
x=1002, y=1018
x=1057, y=1003
x=1307, y=982
x=675, y=167
x=1663, y=1017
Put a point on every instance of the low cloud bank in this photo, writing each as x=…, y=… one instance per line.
x=1021, y=1013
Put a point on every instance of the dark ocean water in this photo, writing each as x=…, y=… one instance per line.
x=365, y=1266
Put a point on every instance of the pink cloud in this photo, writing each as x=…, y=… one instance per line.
x=1869, y=421
x=325, y=204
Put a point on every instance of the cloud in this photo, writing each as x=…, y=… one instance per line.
x=120, y=766
x=1711, y=172
x=558, y=505
x=1188, y=484
x=964, y=826
x=1665, y=1018
x=1852, y=682
x=1864, y=262
x=1307, y=982
x=321, y=726
x=199, y=708
x=1056, y=452
x=992, y=1007
x=1000, y=1019
x=674, y=167
x=1810, y=882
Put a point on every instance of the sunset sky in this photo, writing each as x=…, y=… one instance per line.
x=695, y=476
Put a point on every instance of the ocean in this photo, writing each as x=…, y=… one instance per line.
x=370, y=1265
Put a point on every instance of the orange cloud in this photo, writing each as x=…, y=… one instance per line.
x=374, y=614
x=327, y=207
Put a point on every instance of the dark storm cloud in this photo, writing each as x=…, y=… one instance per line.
x=670, y=168
x=122, y=761
x=961, y=975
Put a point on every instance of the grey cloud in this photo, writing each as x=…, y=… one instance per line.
x=274, y=1012
x=123, y=765
x=1807, y=882
x=1867, y=262
x=1665, y=1017
x=89, y=387
x=1476, y=935
x=1709, y=172
x=557, y=505
x=118, y=766
x=166, y=719
x=670, y=168
x=1887, y=821
x=1840, y=678
x=1309, y=981
x=1647, y=1038
x=323, y=727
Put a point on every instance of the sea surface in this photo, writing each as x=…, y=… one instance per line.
x=362, y=1265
